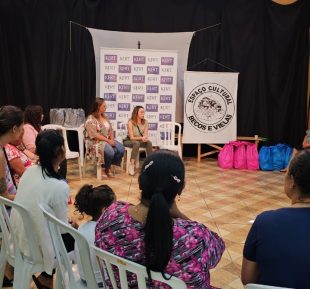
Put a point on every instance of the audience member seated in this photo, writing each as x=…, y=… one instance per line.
x=99, y=131
x=11, y=129
x=155, y=233
x=18, y=158
x=137, y=136
x=32, y=118
x=276, y=251
x=41, y=183
x=306, y=142
x=92, y=201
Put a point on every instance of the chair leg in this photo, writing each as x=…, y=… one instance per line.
x=3, y=261
x=138, y=160
x=23, y=271
x=80, y=168
x=128, y=152
x=99, y=172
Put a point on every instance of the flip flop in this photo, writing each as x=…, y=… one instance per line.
x=38, y=283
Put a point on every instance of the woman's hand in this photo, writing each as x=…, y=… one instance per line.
x=144, y=139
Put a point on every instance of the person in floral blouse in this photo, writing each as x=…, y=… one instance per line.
x=155, y=233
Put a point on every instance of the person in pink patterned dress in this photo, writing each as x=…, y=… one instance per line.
x=18, y=159
x=155, y=233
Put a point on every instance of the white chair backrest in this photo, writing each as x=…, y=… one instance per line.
x=8, y=236
x=63, y=131
x=24, y=266
x=64, y=266
x=124, y=265
x=258, y=286
x=167, y=138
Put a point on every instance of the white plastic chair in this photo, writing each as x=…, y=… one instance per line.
x=107, y=259
x=24, y=266
x=123, y=127
x=66, y=278
x=167, y=138
x=69, y=154
x=258, y=286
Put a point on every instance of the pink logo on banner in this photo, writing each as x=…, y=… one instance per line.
x=124, y=88
x=124, y=68
x=152, y=88
x=165, y=117
x=109, y=58
x=110, y=77
x=111, y=115
x=109, y=96
x=138, y=79
x=165, y=99
x=152, y=125
x=167, y=61
x=139, y=60
x=151, y=107
x=123, y=106
x=152, y=70
x=138, y=97
x=166, y=80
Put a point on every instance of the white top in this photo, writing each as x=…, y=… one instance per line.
x=34, y=189
x=88, y=231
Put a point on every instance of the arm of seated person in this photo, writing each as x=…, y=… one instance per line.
x=3, y=186
x=17, y=166
x=249, y=271
x=145, y=137
x=130, y=132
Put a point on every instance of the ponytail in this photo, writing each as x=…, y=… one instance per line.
x=158, y=235
x=161, y=180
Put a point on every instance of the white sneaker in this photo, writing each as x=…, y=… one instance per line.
x=131, y=169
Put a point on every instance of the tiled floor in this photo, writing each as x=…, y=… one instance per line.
x=226, y=201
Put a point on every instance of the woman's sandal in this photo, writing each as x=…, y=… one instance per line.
x=108, y=173
x=7, y=282
x=38, y=283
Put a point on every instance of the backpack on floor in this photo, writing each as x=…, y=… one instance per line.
x=265, y=158
x=240, y=157
x=252, y=156
x=226, y=157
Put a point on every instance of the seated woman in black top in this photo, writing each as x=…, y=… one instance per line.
x=277, y=249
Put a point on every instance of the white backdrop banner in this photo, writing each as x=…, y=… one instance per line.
x=210, y=107
x=179, y=41
x=131, y=77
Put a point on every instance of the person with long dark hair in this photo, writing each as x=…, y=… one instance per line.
x=137, y=136
x=11, y=129
x=42, y=184
x=155, y=233
x=33, y=117
x=99, y=131
x=276, y=251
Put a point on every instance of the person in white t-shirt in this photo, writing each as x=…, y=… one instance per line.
x=92, y=201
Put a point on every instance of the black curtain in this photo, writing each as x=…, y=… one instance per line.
x=266, y=42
